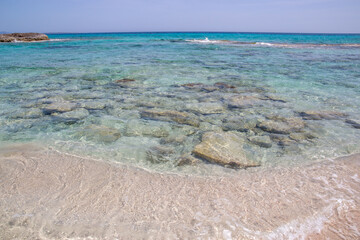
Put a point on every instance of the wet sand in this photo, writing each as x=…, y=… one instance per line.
x=49, y=195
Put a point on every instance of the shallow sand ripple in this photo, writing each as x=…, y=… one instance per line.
x=49, y=195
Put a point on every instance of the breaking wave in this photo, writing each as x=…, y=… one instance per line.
x=268, y=44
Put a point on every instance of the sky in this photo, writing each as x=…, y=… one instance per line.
x=302, y=16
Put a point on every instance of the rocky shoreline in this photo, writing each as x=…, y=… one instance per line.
x=23, y=37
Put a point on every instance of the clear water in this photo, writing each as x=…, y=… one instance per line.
x=308, y=72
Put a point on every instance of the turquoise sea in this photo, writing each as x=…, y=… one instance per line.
x=292, y=98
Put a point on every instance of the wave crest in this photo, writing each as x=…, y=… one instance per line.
x=268, y=44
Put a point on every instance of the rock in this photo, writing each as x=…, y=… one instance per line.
x=72, y=116
x=297, y=136
x=286, y=142
x=193, y=85
x=262, y=141
x=223, y=148
x=187, y=130
x=275, y=127
x=125, y=80
x=223, y=85
x=201, y=87
x=238, y=124
x=159, y=154
x=93, y=105
x=143, y=128
x=187, y=159
x=209, y=88
x=302, y=136
x=29, y=113
x=319, y=115
x=205, y=108
x=101, y=133
x=241, y=101
x=205, y=126
x=59, y=107
x=23, y=37
x=126, y=83
x=170, y=115
x=353, y=123
x=283, y=126
x=175, y=139
x=273, y=98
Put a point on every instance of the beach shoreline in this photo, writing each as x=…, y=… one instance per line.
x=50, y=195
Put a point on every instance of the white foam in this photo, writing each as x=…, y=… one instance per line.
x=264, y=44
x=50, y=40
x=206, y=41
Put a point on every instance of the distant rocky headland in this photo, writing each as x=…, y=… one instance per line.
x=23, y=37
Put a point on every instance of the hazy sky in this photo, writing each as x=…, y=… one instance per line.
x=336, y=16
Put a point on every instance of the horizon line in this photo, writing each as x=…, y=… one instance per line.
x=134, y=32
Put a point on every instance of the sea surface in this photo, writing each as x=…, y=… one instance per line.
x=65, y=94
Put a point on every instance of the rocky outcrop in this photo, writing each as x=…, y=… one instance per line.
x=224, y=148
x=23, y=37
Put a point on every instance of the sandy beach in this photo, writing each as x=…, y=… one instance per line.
x=49, y=195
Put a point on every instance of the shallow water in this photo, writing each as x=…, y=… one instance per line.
x=50, y=195
x=287, y=74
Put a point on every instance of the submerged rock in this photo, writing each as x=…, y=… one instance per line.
x=23, y=37
x=205, y=108
x=125, y=80
x=238, y=124
x=72, y=116
x=223, y=85
x=241, y=101
x=193, y=85
x=59, y=107
x=205, y=126
x=175, y=139
x=187, y=159
x=101, y=133
x=159, y=154
x=262, y=141
x=208, y=87
x=28, y=113
x=301, y=136
x=143, y=128
x=319, y=115
x=273, y=98
x=282, y=125
x=353, y=123
x=223, y=148
x=97, y=105
x=170, y=115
